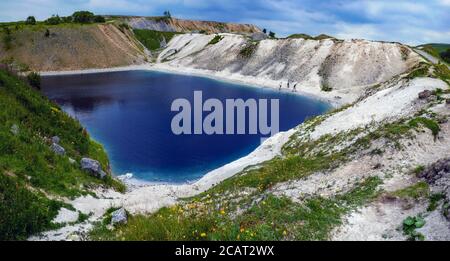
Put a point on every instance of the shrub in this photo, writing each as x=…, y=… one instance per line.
x=47, y=33
x=83, y=17
x=216, y=39
x=66, y=19
x=99, y=19
x=326, y=88
x=34, y=79
x=30, y=20
x=248, y=50
x=271, y=34
x=54, y=20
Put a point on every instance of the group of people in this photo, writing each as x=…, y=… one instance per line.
x=294, y=87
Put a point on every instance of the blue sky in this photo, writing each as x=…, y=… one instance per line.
x=411, y=22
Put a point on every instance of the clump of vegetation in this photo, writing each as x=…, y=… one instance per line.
x=30, y=20
x=152, y=39
x=421, y=70
x=434, y=201
x=416, y=191
x=54, y=20
x=28, y=166
x=86, y=17
x=34, y=79
x=410, y=224
x=428, y=123
x=419, y=169
x=326, y=88
x=248, y=50
x=216, y=39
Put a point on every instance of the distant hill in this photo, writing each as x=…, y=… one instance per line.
x=437, y=50
x=166, y=24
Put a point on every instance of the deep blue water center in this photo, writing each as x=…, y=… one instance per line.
x=130, y=114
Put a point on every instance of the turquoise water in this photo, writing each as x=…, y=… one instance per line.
x=129, y=113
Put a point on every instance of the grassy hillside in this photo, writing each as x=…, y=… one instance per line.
x=437, y=50
x=30, y=172
x=152, y=39
x=69, y=46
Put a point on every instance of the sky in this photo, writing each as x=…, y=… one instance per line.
x=410, y=22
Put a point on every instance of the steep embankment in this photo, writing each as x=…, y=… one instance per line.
x=326, y=68
x=40, y=151
x=72, y=47
x=166, y=24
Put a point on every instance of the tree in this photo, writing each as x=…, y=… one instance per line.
x=167, y=14
x=265, y=30
x=271, y=34
x=66, y=19
x=54, y=20
x=99, y=19
x=30, y=20
x=83, y=17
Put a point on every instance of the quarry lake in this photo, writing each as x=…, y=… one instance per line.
x=130, y=114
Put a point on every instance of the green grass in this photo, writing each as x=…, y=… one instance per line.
x=415, y=191
x=152, y=39
x=428, y=123
x=421, y=70
x=27, y=160
x=272, y=218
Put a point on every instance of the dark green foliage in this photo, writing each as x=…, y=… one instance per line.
x=434, y=201
x=271, y=34
x=99, y=19
x=47, y=33
x=152, y=39
x=22, y=212
x=446, y=56
x=54, y=20
x=216, y=39
x=34, y=79
x=66, y=19
x=83, y=17
x=410, y=224
x=326, y=88
x=30, y=20
x=248, y=50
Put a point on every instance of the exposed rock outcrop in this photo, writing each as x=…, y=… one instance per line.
x=93, y=167
x=119, y=217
